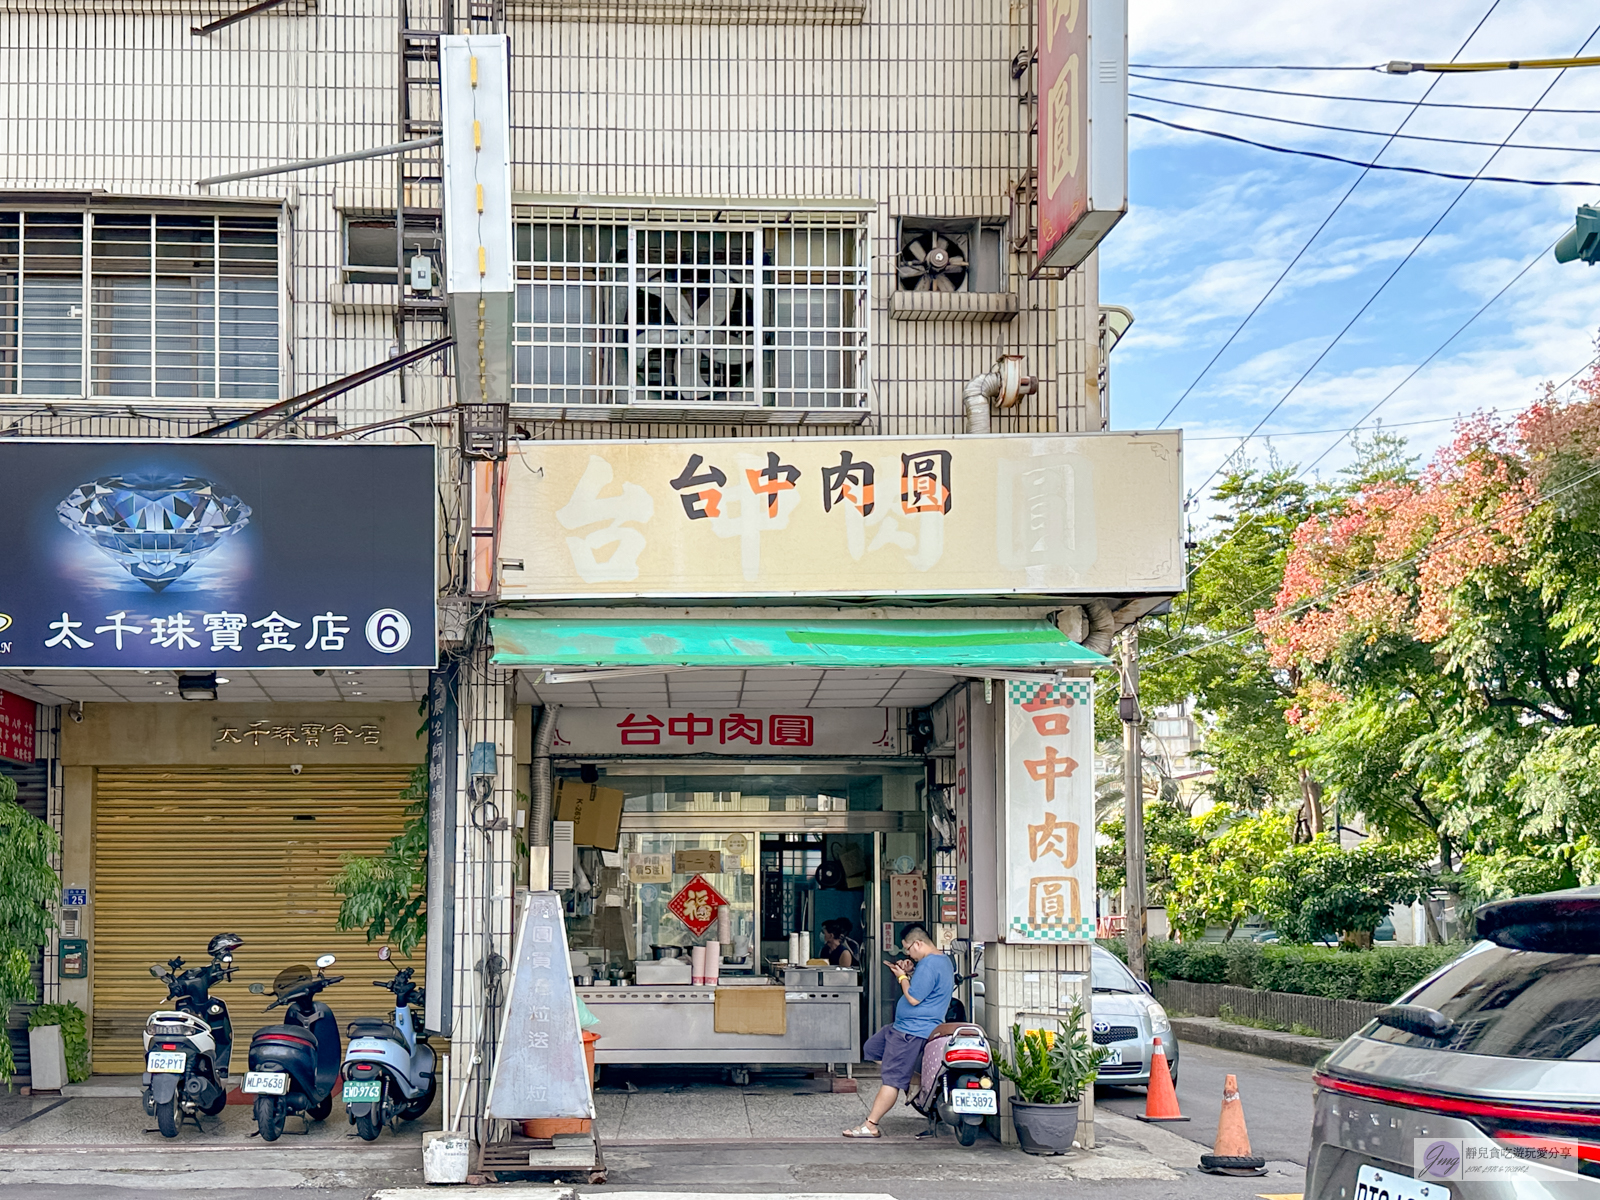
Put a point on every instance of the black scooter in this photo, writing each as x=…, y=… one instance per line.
x=187, y=1046
x=295, y=1066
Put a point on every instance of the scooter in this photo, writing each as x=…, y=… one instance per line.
x=388, y=1065
x=294, y=1066
x=187, y=1046
x=961, y=1092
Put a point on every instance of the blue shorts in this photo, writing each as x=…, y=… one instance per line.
x=900, y=1054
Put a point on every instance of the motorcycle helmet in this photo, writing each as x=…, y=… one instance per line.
x=223, y=943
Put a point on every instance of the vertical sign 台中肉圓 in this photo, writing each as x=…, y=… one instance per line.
x=963, y=766
x=1083, y=125
x=1048, y=856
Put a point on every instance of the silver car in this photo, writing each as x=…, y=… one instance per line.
x=1483, y=1081
x=1126, y=1021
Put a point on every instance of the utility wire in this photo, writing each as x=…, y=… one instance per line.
x=1238, y=87
x=1375, y=166
x=1414, y=372
x=1360, y=312
x=1316, y=233
x=1410, y=137
x=1246, y=67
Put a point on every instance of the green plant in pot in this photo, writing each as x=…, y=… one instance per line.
x=1051, y=1071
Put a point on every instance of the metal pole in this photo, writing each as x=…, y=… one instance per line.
x=305, y=164
x=1133, y=803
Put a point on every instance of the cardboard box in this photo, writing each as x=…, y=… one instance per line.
x=595, y=812
x=696, y=862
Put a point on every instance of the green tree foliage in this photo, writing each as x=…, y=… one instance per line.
x=1168, y=830
x=1316, y=892
x=387, y=895
x=29, y=887
x=1212, y=884
x=74, y=1034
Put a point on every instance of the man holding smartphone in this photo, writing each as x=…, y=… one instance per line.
x=927, y=979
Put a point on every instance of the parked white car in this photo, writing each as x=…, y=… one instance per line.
x=1127, y=1020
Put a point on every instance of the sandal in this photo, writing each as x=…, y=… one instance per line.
x=863, y=1130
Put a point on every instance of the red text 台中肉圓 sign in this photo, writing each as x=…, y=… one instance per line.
x=875, y=731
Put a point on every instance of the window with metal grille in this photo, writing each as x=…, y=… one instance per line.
x=713, y=310
x=179, y=306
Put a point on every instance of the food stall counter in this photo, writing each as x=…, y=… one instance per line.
x=689, y=1024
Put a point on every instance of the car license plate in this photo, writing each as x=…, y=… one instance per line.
x=973, y=1100
x=165, y=1062
x=362, y=1091
x=1113, y=1057
x=272, y=1083
x=1373, y=1184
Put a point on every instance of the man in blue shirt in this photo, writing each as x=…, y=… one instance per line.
x=926, y=984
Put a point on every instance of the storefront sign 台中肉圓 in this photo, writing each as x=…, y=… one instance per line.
x=1047, y=859
x=845, y=516
x=216, y=556
x=645, y=731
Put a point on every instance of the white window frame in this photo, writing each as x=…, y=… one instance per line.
x=97, y=391
x=769, y=281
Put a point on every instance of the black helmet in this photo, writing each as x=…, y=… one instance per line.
x=223, y=943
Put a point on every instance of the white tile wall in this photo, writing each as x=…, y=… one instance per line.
x=911, y=110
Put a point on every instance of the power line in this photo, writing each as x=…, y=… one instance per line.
x=1372, y=299
x=1410, y=137
x=1414, y=372
x=1294, y=433
x=1315, y=234
x=1239, y=87
x=1371, y=166
x=1245, y=67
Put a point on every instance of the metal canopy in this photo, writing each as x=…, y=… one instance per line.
x=904, y=644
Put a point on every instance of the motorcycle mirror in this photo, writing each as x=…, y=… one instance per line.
x=257, y=989
x=383, y=954
x=156, y=971
x=326, y=961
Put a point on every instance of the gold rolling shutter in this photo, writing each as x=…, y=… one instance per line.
x=183, y=854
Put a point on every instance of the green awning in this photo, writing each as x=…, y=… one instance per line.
x=1014, y=645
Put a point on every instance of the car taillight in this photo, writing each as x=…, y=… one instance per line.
x=1567, y=1154
x=1484, y=1112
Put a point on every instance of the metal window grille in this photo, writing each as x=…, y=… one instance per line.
x=179, y=306
x=717, y=308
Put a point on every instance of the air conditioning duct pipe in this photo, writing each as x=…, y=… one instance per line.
x=540, y=813
x=1005, y=385
x=1102, y=627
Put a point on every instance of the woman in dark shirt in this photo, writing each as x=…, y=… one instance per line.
x=837, y=946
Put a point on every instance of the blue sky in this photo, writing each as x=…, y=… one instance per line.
x=1212, y=224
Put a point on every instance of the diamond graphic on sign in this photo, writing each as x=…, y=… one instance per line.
x=696, y=905
x=154, y=526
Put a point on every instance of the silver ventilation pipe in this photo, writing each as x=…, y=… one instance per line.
x=540, y=810
x=1102, y=627
x=980, y=391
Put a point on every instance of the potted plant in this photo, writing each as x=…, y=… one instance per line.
x=1051, y=1071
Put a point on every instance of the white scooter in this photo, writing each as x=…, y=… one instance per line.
x=388, y=1065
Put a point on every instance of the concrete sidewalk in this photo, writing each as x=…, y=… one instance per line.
x=779, y=1133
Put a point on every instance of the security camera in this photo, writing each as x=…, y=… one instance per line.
x=295, y=768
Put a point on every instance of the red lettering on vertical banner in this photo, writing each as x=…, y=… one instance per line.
x=17, y=719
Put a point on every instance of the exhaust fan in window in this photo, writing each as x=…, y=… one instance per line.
x=931, y=261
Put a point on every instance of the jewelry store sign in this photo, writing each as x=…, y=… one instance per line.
x=845, y=516
x=317, y=739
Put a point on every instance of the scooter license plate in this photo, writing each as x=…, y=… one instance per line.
x=362, y=1091
x=165, y=1062
x=272, y=1083
x=973, y=1100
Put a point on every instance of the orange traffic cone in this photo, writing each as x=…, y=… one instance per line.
x=1231, y=1155
x=1161, y=1100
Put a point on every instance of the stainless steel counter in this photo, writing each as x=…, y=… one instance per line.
x=677, y=1024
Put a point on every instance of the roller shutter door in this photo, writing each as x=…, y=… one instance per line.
x=182, y=854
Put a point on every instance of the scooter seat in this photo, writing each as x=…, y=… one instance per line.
x=374, y=1027
x=297, y=1032
x=951, y=1028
